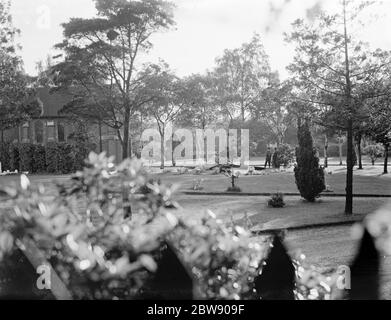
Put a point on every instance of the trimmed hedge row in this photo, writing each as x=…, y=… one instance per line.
x=59, y=158
x=5, y=156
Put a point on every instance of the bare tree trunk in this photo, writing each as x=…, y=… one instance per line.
x=386, y=146
x=172, y=148
x=228, y=160
x=340, y=145
x=243, y=114
x=125, y=154
x=349, y=174
x=359, y=153
x=162, y=149
x=125, y=142
x=326, y=147
x=348, y=103
x=100, y=138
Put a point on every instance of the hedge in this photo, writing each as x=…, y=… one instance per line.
x=26, y=157
x=66, y=157
x=39, y=159
x=14, y=157
x=5, y=156
x=58, y=158
x=63, y=158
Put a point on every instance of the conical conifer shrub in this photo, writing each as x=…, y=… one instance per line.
x=308, y=174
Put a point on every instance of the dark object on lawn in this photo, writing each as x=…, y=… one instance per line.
x=309, y=175
x=365, y=271
x=224, y=167
x=233, y=177
x=277, y=280
x=276, y=200
x=259, y=168
x=234, y=189
x=172, y=281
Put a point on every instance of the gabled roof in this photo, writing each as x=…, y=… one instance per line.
x=52, y=102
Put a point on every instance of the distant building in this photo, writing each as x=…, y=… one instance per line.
x=50, y=126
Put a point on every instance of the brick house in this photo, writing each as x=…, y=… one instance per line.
x=50, y=126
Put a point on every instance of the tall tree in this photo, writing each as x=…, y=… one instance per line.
x=8, y=32
x=330, y=65
x=273, y=108
x=17, y=102
x=240, y=75
x=169, y=98
x=200, y=110
x=101, y=57
x=379, y=126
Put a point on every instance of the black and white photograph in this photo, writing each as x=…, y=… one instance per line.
x=213, y=152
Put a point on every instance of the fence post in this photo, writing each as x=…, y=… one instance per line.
x=365, y=271
x=277, y=278
x=172, y=281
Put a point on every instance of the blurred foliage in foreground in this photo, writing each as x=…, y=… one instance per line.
x=106, y=230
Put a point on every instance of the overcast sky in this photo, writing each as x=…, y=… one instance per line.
x=204, y=29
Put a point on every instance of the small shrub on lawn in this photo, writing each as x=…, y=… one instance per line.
x=234, y=189
x=276, y=201
x=374, y=151
x=233, y=177
x=250, y=171
x=197, y=185
x=181, y=171
x=286, y=155
x=197, y=171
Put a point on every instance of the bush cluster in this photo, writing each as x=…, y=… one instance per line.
x=374, y=152
x=59, y=158
x=276, y=201
x=286, y=155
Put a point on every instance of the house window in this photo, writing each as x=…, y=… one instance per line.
x=25, y=131
x=38, y=131
x=50, y=130
x=16, y=135
x=61, y=132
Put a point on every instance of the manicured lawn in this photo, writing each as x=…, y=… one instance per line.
x=282, y=182
x=235, y=207
x=296, y=212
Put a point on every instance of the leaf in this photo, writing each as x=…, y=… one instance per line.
x=24, y=182
x=148, y=262
x=6, y=242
